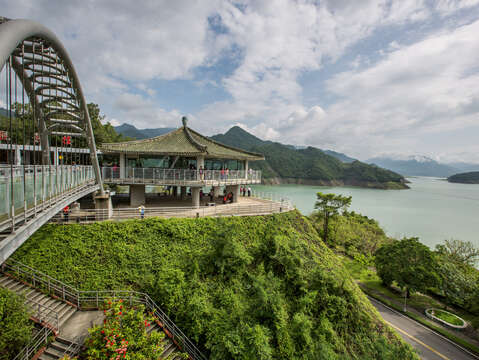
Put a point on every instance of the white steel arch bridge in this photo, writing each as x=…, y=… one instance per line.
x=48, y=156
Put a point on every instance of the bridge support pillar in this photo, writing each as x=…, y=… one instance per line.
x=137, y=195
x=183, y=192
x=216, y=191
x=195, y=196
x=175, y=191
x=103, y=206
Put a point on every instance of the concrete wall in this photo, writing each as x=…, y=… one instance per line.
x=137, y=195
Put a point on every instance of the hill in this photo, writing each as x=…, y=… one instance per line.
x=260, y=287
x=131, y=131
x=312, y=166
x=465, y=178
x=414, y=166
x=340, y=156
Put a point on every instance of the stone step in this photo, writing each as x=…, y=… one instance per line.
x=170, y=347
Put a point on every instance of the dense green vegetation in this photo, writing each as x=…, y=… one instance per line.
x=329, y=206
x=455, y=277
x=15, y=326
x=124, y=334
x=408, y=263
x=309, y=164
x=262, y=287
x=465, y=178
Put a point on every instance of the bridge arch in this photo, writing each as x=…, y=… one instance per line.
x=42, y=94
x=46, y=72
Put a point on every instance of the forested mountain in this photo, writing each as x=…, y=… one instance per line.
x=465, y=178
x=286, y=164
x=340, y=156
x=131, y=131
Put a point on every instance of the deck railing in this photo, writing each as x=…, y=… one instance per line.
x=88, y=300
x=266, y=203
x=39, y=340
x=24, y=189
x=179, y=176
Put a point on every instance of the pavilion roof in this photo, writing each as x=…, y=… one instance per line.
x=180, y=142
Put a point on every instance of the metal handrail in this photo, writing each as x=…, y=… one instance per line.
x=40, y=338
x=181, y=176
x=84, y=299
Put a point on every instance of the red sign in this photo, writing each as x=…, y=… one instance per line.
x=67, y=140
x=3, y=135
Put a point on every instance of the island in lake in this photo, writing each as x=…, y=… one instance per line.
x=465, y=178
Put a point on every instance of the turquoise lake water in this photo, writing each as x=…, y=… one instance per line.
x=433, y=209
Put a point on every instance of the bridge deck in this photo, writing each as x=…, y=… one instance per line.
x=32, y=195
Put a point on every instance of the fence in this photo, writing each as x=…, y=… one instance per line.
x=88, y=300
x=23, y=188
x=39, y=339
x=266, y=203
x=178, y=176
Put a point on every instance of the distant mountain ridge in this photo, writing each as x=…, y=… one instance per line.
x=139, y=134
x=418, y=165
x=312, y=166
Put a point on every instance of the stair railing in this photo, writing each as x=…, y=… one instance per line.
x=38, y=340
x=89, y=300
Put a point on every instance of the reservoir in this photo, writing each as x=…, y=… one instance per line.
x=432, y=209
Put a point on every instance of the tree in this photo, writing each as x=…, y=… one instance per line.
x=16, y=328
x=409, y=263
x=104, y=133
x=459, y=251
x=328, y=206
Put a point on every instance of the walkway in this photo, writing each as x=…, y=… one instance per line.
x=36, y=194
x=429, y=344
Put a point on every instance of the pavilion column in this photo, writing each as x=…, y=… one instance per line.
x=175, y=191
x=200, y=162
x=183, y=192
x=122, y=166
x=137, y=195
x=235, y=189
x=246, y=168
x=216, y=191
x=195, y=196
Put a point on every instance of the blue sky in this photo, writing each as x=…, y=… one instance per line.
x=367, y=78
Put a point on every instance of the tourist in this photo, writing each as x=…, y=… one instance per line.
x=66, y=212
x=201, y=172
x=227, y=172
x=222, y=173
x=249, y=191
x=141, y=210
x=211, y=195
x=225, y=198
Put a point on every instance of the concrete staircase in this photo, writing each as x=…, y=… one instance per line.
x=35, y=300
x=61, y=346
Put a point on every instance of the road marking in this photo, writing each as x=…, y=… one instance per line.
x=418, y=341
x=424, y=327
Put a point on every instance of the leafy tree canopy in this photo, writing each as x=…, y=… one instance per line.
x=409, y=263
x=459, y=251
x=328, y=206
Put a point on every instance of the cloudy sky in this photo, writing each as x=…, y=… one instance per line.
x=365, y=77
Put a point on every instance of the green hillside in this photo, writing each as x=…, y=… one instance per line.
x=465, y=178
x=310, y=165
x=262, y=287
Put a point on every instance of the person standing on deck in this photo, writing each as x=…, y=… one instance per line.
x=141, y=210
x=66, y=212
x=249, y=191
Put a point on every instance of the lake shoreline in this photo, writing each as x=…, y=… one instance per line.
x=340, y=183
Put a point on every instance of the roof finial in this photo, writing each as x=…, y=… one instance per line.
x=184, y=119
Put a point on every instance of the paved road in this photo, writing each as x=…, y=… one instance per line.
x=430, y=345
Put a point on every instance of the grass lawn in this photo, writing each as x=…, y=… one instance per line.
x=447, y=317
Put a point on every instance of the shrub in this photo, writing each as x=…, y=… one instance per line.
x=15, y=326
